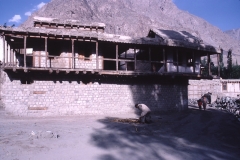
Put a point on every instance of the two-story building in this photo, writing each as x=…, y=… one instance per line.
x=68, y=68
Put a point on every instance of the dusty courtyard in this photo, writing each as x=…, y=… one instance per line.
x=194, y=134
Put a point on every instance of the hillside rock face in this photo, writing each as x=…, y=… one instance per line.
x=235, y=33
x=135, y=18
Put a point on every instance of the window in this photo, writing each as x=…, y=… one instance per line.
x=224, y=86
x=190, y=60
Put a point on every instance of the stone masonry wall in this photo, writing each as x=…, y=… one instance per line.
x=48, y=98
x=197, y=88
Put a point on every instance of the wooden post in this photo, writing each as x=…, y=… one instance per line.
x=218, y=62
x=25, y=50
x=194, y=63
x=11, y=56
x=73, y=55
x=135, y=59
x=4, y=51
x=14, y=57
x=97, y=58
x=116, y=57
x=177, y=62
x=209, y=64
x=150, y=58
x=126, y=63
x=46, y=53
x=164, y=61
x=7, y=55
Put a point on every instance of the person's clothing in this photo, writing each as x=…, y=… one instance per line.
x=146, y=118
x=200, y=103
x=145, y=113
x=204, y=101
x=208, y=96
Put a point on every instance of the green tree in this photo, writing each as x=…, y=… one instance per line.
x=229, y=63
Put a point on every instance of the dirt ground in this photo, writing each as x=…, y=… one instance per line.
x=194, y=134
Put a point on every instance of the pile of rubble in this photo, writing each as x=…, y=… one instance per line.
x=230, y=104
x=225, y=103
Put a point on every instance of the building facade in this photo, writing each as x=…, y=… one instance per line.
x=67, y=68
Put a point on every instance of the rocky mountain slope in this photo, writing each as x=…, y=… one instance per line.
x=135, y=18
x=235, y=33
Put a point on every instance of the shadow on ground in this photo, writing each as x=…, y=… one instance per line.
x=194, y=134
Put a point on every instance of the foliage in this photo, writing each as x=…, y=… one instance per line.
x=232, y=71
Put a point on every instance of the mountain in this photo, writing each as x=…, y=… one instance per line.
x=135, y=18
x=235, y=33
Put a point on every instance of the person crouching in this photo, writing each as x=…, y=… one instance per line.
x=145, y=113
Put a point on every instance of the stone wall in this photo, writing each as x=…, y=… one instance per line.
x=57, y=98
x=197, y=88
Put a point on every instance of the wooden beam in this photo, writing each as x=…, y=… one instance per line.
x=11, y=56
x=209, y=65
x=4, y=50
x=7, y=55
x=194, y=63
x=116, y=57
x=14, y=57
x=135, y=59
x=46, y=53
x=97, y=58
x=177, y=62
x=164, y=60
x=25, y=50
x=73, y=55
x=150, y=58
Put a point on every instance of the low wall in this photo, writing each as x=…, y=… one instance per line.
x=197, y=88
x=101, y=96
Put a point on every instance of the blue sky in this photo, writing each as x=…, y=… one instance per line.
x=225, y=14
x=17, y=11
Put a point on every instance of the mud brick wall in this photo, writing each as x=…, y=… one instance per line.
x=60, y=98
